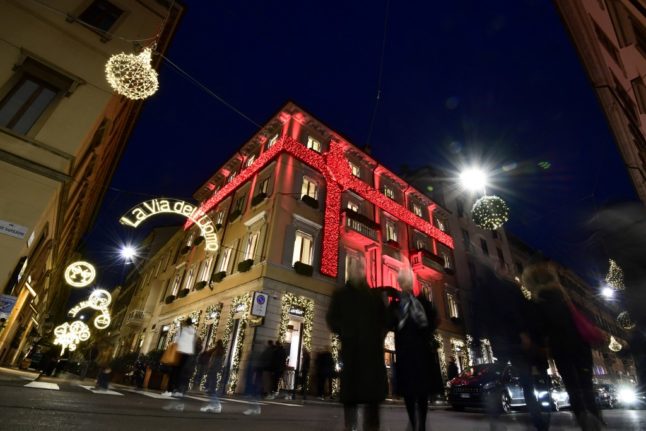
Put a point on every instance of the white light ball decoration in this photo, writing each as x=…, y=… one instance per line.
x=80, y=274
x=625, y=321
x=131, y=75
x=99, y=299
x=614, y=345
x=490, y=212
x=102, y=321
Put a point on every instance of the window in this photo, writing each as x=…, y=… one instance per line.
x=441, y=224
x=500, y=255
x=420, y=244
x=250, y=160
x=158, y=267
x=353, y=206
x=100, y=14
x=607, y=43
x=205, y=272
x=219, y=217
x=452, y=305
x=309, y=188
x=390, y=276
x=272, y=141
x=190, y=277
x=391, y=230
x=447, y=260
x=640, y=36
x=466, y=239
x=176, y=282
x=417, y=210
x=349, y=257
x=224, y=260
x=639, y=89
x=231, y=177
x=264, y=186
x=313, y=144
x=356, y=170
x=37, y=88
x=239, y=204
x=388, y=192
x=484, y=246
x=164, y=290
x=460, y=207
x=426, y=289
x=302, y=248
x=250, y=248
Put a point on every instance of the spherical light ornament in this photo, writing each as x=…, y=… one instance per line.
x=490, y=212
x=102, y=321
x=99, y=299
x=625, y=321
x=131, y=75
x=614, y=345
x=80, y=274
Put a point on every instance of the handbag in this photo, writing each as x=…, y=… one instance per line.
x=171, y=356
x=588, y=331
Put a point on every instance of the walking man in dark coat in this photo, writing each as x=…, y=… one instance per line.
x=358, y=316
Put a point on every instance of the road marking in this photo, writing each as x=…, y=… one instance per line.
x=243, y=401
x=99, y=391
x=43, y=385
x=283, y=404
x=151, y=394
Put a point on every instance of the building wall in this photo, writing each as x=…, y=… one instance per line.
x=610, y=36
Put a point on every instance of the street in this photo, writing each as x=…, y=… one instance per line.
x=59, y=404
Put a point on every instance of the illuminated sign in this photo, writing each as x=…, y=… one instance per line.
x=297, y=311
x=80, y=274
x=69, y=335
x=140, y=213
x=98, y=300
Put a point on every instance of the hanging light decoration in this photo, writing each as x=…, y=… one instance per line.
x=490, y=212
x=625, y=321
x=68, y=336
x=615, y=276
x=132, y=75
x=614, y=345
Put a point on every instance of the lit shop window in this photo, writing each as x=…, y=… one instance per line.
x=250, y=248
x=302, y=248
x=417, y=210
x=391, y=230
x=313, y=144
x=353, y=206
x=272, y=141
x=309, y=188
x=224, y=260
x=389, y=193
x=356, y=170
x=452, y=305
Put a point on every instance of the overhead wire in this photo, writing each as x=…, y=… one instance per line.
x=380, y=75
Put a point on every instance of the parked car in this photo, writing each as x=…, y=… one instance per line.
x=605, y=395
x=498, y=385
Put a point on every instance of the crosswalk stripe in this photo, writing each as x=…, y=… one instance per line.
x=282, y=404
x=151, y=394
x=102, y=392
x=43, y=385
x=243, y=401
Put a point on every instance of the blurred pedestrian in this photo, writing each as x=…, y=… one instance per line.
x=278, y=365
x=324, y=364
x=414, y=323
x=451, y=369
x=358, y=316
x=202, y=360
x=255, y=370
x=565, y=328
x=508, y=320
x=305, y=372
x=215, y=362
x=181, y=374
x=266, y=360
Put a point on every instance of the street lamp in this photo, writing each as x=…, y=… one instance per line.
x=128, y=252
x=473, y=179
x=607, y=292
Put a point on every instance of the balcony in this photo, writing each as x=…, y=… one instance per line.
x=360, y=227
x=427, y=264
x=136, y=318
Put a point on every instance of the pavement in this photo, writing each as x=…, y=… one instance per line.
x=31, y=403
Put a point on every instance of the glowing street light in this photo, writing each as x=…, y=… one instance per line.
x=473, y=179
x=128, y=252
x=608, y=292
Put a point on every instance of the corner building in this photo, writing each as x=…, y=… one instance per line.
x=292, y=208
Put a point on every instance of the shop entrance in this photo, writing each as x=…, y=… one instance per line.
x=294, y=348
x=233, y=348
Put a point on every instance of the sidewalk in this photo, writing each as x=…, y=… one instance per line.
x=21, y=374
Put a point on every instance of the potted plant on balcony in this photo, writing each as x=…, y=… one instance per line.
x=245, y=265
x=169, y=299
x=310, y=201
x=185, y=249
x=200, y=285
x=234, y=215
x=199, y=240
x=218, y=226
x=258, y=199
x=218, y=276
x=182, y=293
x=303, y=268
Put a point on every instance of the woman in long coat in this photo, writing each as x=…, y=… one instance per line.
x=358, y=315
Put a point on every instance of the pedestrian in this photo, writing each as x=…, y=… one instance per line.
x=214, y=367
x=414, y=322
x=181, y=373
x=255, y=371
x=511, y=324
x=305, y=372
x=451, y=369
x=358, y=315
x=266, y=361
x=563, y=327
x=278, y=365
x=202, y=360
x=324, y=369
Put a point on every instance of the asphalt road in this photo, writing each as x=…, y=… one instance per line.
x=58, y=404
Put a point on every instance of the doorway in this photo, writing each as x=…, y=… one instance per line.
x=294, y=348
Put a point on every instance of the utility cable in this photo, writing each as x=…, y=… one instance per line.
x=380, y=75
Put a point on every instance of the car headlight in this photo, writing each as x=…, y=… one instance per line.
x=488, y=386
x=627, y=395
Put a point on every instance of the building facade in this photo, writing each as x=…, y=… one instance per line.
x=292, y=208
x=62, y=132
x=610, y=36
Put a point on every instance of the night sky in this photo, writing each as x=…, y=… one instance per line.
x=496, y=81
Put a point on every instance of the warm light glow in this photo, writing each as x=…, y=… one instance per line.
x=80, y=274
x=615, y=276
x=473, y=179
x=99, y=300
x=614, y=345
x=68, y=336
x=131, y=75
x=608, y=292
